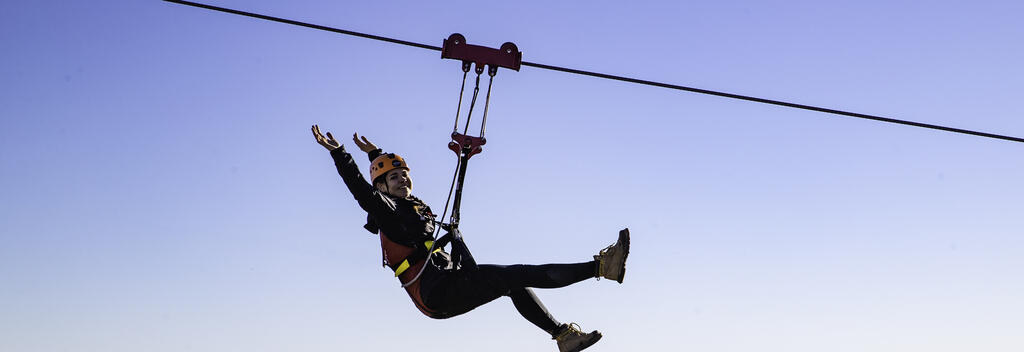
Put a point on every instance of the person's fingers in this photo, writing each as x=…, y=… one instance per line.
x=316, y=134
x=320, y=137
x=331, y=137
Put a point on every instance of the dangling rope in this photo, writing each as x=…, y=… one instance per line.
x=437, y=226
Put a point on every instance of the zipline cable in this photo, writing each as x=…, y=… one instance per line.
x=618, y=78
x=773, y=102
x=304, y=24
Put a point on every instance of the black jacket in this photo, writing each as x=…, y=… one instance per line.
x=406, y=221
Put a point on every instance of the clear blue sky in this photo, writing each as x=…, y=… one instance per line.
x=161, y=190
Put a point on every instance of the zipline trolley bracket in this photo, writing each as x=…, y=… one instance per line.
x=507, y=56
x=464, y=145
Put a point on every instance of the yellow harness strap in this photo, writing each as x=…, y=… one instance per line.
x=405, y=263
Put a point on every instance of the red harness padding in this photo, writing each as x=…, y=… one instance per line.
x=394, y=255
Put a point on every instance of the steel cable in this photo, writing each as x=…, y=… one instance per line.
x=619, y=78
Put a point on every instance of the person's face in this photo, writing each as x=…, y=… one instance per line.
x=399, y=184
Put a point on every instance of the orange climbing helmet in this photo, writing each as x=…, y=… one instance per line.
x=384, y=163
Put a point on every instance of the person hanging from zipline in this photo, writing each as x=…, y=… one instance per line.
x=442, y=284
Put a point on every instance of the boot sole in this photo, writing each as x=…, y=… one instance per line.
x=624, y=239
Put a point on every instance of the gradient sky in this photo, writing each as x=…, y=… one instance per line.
x=162, y=192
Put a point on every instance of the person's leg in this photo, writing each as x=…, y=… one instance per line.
x=568, y=336
x=540, y=276
x=533, y=310
x=464, y=290
x=520, y=277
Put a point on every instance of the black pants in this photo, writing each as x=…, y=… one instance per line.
x=454, y=291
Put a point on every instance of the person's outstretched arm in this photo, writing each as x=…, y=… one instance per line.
x=369, y=198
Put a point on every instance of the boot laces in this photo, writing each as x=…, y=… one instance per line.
x=605, y=251
x=601, y=257
x=571, y=329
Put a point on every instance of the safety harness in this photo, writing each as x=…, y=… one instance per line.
x=406, y=261
x=419, y=253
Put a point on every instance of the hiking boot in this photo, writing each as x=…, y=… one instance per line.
x=572, y=339
x=611, y=261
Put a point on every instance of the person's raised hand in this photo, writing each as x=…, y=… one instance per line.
x=364, y=144
x=328, y=142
